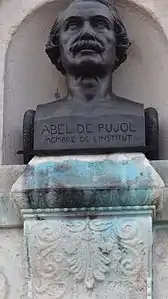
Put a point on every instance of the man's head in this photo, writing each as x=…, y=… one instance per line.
x=88, y=38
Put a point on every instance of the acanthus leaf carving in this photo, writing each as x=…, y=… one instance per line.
x=88, y=251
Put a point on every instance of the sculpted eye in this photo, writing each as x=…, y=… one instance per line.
x=101, y=23
x=73, y=23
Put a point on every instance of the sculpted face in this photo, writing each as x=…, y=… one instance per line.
x=87, y=39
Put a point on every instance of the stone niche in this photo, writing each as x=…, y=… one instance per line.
x=30, y=79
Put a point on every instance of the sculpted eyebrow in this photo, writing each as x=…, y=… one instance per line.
x=101, y=18
x=75, y=19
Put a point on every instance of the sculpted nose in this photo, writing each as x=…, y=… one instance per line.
x=87, y=31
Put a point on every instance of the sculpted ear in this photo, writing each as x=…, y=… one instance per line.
x=53, y=53
x=59, y=66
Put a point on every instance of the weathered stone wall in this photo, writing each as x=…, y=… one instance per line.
x=11, y=264
x=27, y=77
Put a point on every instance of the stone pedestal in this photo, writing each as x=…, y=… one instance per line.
x=89, y=254
x=88, y=226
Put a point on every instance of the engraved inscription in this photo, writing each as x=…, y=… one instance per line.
x=60, y=129
x=81, y=132
x=53, y=133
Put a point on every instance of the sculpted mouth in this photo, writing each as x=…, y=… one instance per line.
x=86, y=47
x=87, y=51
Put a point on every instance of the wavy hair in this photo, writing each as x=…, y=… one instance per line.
x=122, y=40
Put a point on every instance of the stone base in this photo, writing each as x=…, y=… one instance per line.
x=86, y=181
x=12, y=265
x=88, y=253
x=88, y=226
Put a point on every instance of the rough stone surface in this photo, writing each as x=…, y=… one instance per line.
x=11, y=263
x=88, y=181
x=161, y=166
x=160, y=262
x=79, y=255
x=27, y=78
x=8, y=176
x=11, y=250
x=9, y=214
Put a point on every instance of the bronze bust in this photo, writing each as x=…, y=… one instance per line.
x=87, y=42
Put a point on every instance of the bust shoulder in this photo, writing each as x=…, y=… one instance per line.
x=129, y=106
x=65, y=107
x=55, y=108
